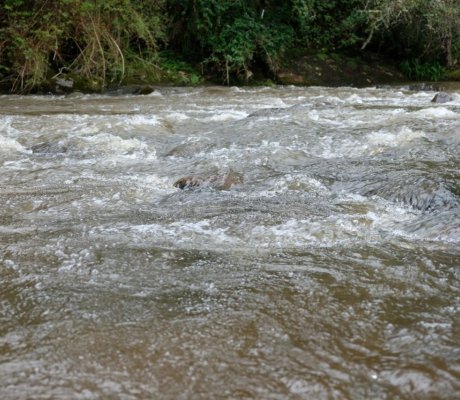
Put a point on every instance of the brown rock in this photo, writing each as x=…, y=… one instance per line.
x=291, y=78
x=223, y=181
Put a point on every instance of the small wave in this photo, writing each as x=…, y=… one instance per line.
x=443, y=227
x=7, y=145
x=108, y=143
x=225, y=116
x=294, y=183
x=383, y=138
x=155, y=93
x=141, y=120
x=314, y=115
x=200, y=233
x=268, y=112
x=354, y=98
x=436, y=112
x=177, y=117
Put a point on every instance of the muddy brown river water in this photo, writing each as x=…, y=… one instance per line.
x=316, y=257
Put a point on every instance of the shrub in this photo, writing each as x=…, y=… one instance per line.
x=415, y=29
x=417, y=70
x=229, y=36
x=90, y=38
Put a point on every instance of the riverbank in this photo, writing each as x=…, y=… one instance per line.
x=335, y=69
x=299, y=68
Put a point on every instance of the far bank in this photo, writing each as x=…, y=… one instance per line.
x=300, y=68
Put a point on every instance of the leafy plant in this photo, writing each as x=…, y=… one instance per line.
x=415, y=29
x=230, y=36
x=178, y=71
x=417, y=70
x=89, y=38
x=107, y=42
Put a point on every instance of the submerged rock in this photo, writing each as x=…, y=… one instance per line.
x=48, y=148
x=189, y=149
x=223, y=181
x=267, y=112
x=441, y=97
x=424, y=195
x=189, y=182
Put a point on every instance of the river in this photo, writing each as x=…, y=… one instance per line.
x=313, y=252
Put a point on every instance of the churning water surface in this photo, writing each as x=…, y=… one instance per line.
x=317, y=256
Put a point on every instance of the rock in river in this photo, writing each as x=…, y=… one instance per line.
x=441, y=97
x=49, y=148
x=223, y=181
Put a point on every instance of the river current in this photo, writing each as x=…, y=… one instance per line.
x=316, y=257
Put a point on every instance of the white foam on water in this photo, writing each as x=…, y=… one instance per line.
x=155, y=93
x=331, y=118
x=151, y=120
x=224, y=116
x=108, y=143
x=354, y=98
x=351, y=144
x=200, y=233
x=374, y=218
x=397, y=111
x=293, y=232
x=313, y=115
x=333, y=100
x=294, y=183
x=436, y=112
x=278, y=118
x=177, y=116
x=276, y=102
x=84, y=125
x=149, y=183
x=304, y=233
x=238, y=89
x=421, y=94
x=378, y=141
x=5, y=125
x=455, y=98
x=7, y=145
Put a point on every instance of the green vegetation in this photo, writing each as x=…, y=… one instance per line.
x=103, y=43
x=416, y=29
x=94, y=40
x=420, y=71
x=177, y=71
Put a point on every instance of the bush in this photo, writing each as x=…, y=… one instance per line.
x=104, y=42
x=229, y=37
x=92, y=39
x=417, y=70
x=415, y=29
x=333, y=24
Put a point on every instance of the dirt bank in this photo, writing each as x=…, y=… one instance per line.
x=332, y=69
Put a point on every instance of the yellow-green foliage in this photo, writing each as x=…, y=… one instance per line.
x=90, y=38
